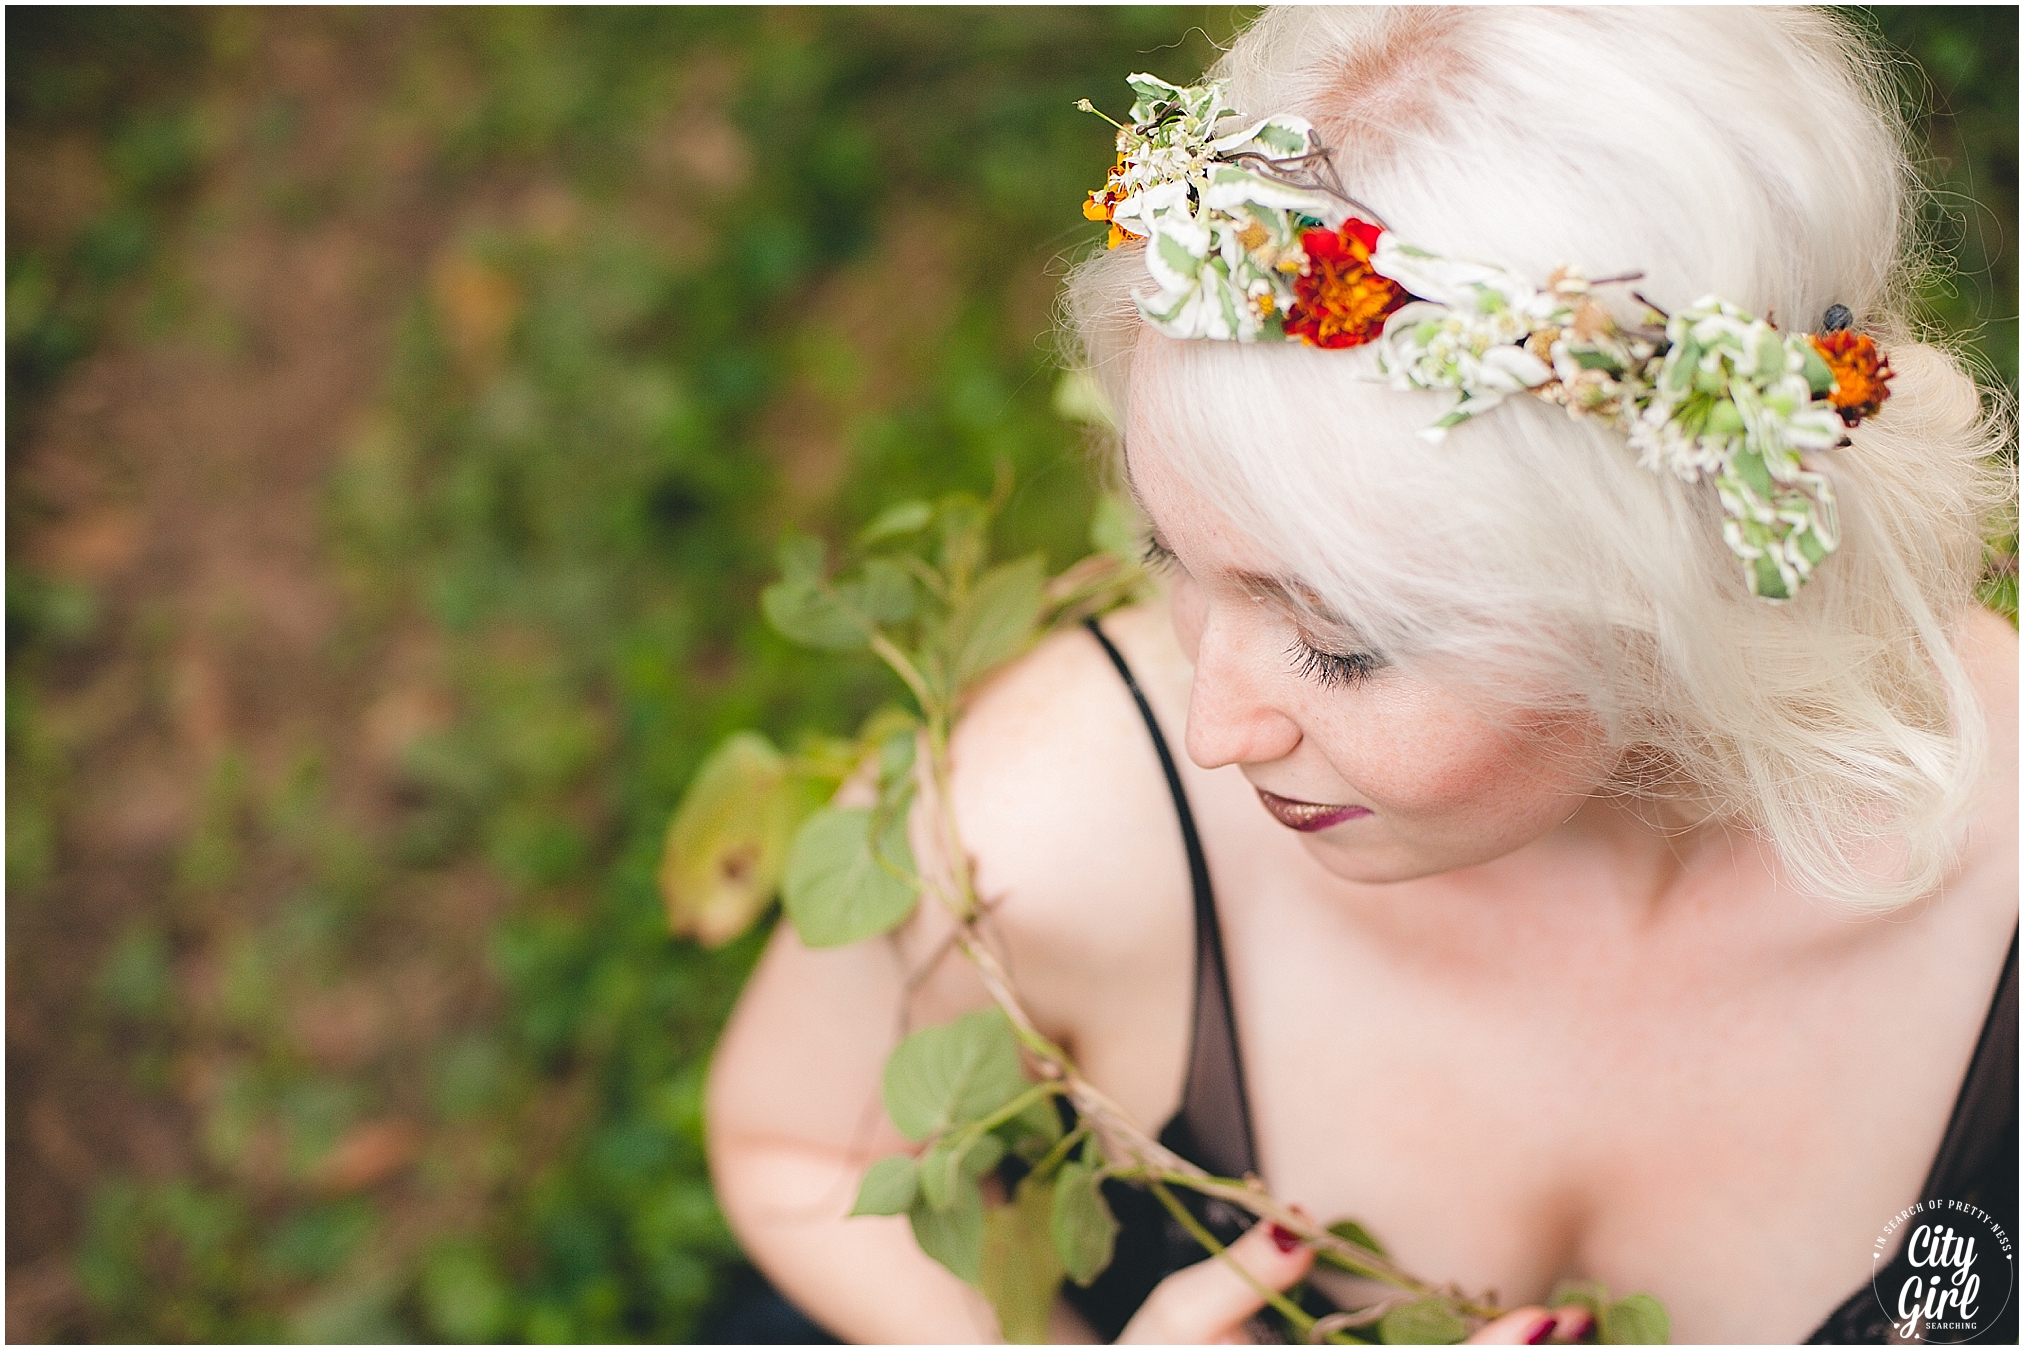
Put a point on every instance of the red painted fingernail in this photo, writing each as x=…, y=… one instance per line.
x=1543, y=1330
x=1285, y=1239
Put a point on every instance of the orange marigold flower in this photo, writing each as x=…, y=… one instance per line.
x=1861, y=373
x=1103, y=202
x=1339, y=301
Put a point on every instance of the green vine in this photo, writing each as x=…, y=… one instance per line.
x=922, y=595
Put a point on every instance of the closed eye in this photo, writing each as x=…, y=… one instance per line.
x=1158, y=557
x=1331, y=669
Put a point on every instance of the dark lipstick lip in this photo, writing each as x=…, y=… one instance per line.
x=1307, y=817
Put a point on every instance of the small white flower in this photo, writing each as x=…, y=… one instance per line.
x=1724, y=396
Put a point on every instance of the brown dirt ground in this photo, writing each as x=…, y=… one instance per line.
x=180, y=475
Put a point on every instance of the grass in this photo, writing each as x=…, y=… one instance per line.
x=397, y=1047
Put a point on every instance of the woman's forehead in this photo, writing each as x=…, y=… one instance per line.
x=1202, y=402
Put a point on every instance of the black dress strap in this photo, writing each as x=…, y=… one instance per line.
x=1213, y=1127
x=1977, y=1163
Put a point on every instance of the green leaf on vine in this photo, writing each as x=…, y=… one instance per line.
x=1425, y=1321
x=1034, y=1130
x=1590, y=1294
x=948, y=1166
x=806, y=612
x=802, y=557
x=1635, y=1319
x=727, y=841
x=889, y=1187
x=896, y=759
x=1114, y=528
x=953, y=1236
x=901, y=518
x=996, y=619
x=883, y=592
x=965, y=521
x=1082, y=1226
x=1020, y=1269
x=837, y=890
x=949, y=1075
x=1349, y=1230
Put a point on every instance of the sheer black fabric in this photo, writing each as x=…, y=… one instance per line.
x=1213, y=1126
x=1977, y=1163
x=1977, y=1159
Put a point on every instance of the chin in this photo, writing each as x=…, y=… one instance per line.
x=1369, y=866
x=1384, y=864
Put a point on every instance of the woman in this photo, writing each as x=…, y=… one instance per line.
x=1569, y=909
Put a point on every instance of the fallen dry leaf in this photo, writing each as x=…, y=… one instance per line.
x=369, y=1154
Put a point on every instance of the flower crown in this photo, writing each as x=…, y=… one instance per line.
x=1249, y=237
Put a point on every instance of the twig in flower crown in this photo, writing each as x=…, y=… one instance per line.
x=1321, y=179
x=1639, y=296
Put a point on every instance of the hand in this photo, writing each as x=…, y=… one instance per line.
x=1208, y=1303
x=1536, y=1326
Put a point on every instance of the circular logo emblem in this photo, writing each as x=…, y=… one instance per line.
x=1952, y=1276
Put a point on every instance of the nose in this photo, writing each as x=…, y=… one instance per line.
x=1233, y=717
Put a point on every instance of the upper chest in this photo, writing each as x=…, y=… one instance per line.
x=1723, y=1113
x=1723, y=1123
x=1690, y=1129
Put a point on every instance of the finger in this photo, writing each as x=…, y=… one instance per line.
x=1208, y=1302
x=1524, y=1326
x=1571, y=1323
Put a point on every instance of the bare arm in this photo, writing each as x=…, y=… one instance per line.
x=794, y=1120
x=1062, y=810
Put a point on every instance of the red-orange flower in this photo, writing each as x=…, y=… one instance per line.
x=1861, y=373
x=1339, y=301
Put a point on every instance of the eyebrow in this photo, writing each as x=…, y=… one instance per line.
x=1291, y=592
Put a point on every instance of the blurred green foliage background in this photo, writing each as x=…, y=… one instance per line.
x=402, y=409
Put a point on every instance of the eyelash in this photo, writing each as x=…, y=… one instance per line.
x=1330, y=669
x=1327, y=669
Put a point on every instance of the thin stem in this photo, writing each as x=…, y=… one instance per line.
x=1038, y=1092
x=1359, y=1260
x=1128, y=1150
x=965, y=899
x=1000, y=987
x=926, y=575
x=904, y=668
x=1084, y=105
x=1639, y=297
x=1288, y=1309
x=1057, y=1155
x=1312, y=181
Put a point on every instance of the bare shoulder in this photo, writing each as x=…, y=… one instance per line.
x=1064, y=811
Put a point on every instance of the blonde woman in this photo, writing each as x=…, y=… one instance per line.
x=1528, y=888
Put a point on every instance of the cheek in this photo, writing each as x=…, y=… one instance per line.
x=1430, y=756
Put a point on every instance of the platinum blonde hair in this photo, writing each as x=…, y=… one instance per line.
x=1756, y=155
